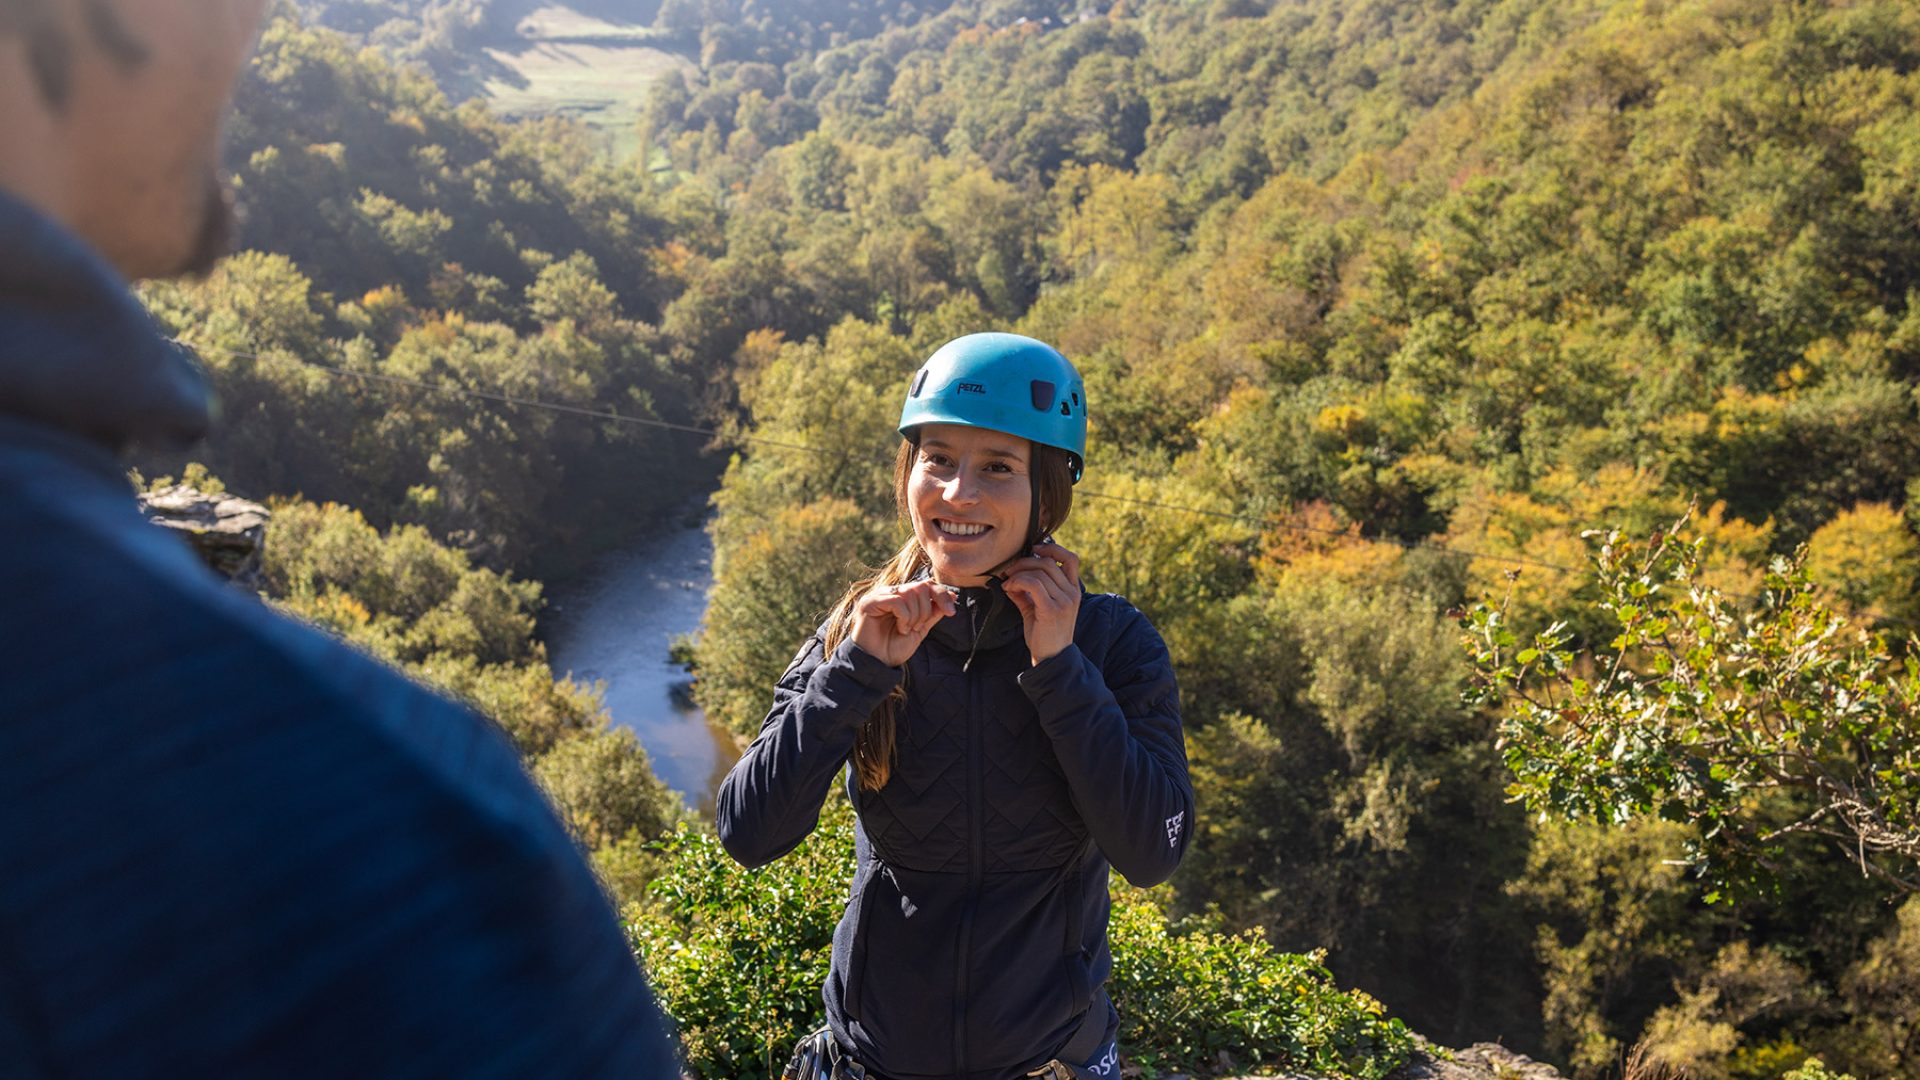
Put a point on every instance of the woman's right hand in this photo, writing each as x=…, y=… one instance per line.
x=891, y=621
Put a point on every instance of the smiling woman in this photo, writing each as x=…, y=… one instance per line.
x=1011, y=738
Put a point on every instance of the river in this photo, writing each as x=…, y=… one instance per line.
x=615, y=624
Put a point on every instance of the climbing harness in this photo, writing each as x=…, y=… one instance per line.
x=818, y=1057
x=1059, y=1070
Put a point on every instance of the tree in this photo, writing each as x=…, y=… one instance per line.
x=605, y=789
x=1755, y=723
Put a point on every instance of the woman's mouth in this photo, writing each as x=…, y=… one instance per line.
x=961, y=529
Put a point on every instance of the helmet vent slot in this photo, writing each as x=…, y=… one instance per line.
x=1043, y=395
x=919, y=381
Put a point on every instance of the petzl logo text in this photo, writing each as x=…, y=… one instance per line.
x=972, y=388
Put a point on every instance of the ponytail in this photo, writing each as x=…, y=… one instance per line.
x=873, y=751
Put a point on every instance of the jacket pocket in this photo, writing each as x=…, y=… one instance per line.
x=862, y=908
x=1079, y=977
x=1080, y=981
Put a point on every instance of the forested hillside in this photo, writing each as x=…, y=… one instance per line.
x=1472, y=277
x=394, y=241
x=1380, y=305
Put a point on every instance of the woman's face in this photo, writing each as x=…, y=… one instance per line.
x=969, y=495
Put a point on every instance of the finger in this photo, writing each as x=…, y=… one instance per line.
x=1061, y=577
x=1040, y=588
x=1052, y=572
x=1019, y=592
x=1068, y=561
x=936, y=606
x=929, y=615
x=930, y=591
x=1022, y=564
x=943, y=598
x=876, y=605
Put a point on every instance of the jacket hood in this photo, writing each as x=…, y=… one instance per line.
x=79, y=353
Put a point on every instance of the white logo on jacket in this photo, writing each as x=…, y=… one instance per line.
x=1173, y=828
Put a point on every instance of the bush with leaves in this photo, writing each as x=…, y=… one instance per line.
x=1192, y=998
x=606, y=790
x=738, y=958
x=770, y=590
x=1754, y=723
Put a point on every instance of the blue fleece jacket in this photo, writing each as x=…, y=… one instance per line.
x=232, y=846
x=974, y=939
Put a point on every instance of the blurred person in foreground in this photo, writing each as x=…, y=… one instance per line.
x=229, y=846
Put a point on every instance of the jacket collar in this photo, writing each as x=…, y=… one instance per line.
x=78, y=352
x=987, y=620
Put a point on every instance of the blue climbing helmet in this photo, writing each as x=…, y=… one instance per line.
x=1004, y=382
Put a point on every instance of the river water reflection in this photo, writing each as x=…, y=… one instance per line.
x=615, y=624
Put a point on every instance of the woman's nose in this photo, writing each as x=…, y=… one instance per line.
x=960, y=489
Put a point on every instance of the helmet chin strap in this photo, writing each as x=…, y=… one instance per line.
x=1035, y=534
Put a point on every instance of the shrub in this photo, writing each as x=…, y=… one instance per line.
x=605, y=789
x=1192, y=998
x=738, y=958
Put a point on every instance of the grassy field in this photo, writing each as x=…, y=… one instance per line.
x=571, y=64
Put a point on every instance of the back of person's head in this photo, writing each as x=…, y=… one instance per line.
x=110, y=118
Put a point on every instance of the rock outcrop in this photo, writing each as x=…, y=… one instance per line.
x=1481, y=1061
x=227, y=531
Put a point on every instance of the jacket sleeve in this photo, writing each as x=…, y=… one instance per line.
x=771, y=799
x=1117, y=734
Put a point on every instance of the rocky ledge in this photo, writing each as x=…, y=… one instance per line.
x=1481, y=1061
x=227, y=531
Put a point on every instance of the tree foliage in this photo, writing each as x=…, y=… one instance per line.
x=413, y=268
x=1356, y=282
x=468, y=632
x=1751, y=727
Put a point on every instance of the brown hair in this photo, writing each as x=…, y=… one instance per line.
x=1050, y=470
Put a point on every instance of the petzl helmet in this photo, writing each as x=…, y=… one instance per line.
x=1004, y=382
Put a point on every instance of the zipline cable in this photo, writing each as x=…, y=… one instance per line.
x=505, y=399
x=1261, y=520
x=1265, y=521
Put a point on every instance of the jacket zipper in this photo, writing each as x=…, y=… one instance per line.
x=975, y=783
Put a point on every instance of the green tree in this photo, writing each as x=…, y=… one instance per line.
x=1754, y=727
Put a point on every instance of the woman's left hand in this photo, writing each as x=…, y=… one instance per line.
x=1045, y=586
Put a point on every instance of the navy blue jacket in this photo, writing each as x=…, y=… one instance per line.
x=974, y=938
x=230, y=846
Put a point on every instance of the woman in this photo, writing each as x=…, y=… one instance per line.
x=1011, y=737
